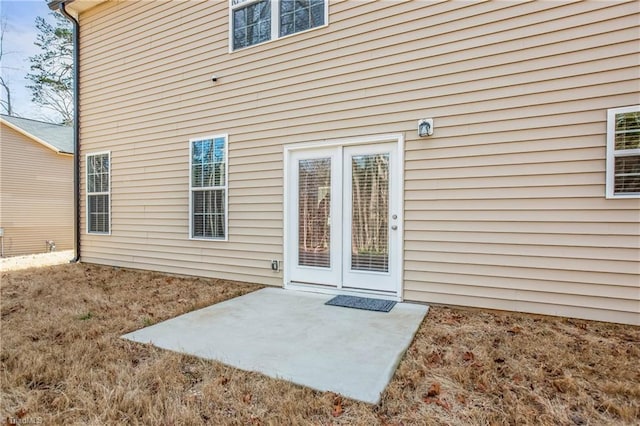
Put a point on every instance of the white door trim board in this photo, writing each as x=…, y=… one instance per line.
x=330, y=147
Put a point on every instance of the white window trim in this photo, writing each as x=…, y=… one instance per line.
x=612, y=153
x=225, y=188
x=275, y=17
x=87, y=193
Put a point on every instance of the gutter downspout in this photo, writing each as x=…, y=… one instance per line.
x=60, y=5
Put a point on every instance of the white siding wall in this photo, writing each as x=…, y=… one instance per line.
x=505, y=204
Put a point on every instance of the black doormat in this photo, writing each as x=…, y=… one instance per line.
x=365, y=303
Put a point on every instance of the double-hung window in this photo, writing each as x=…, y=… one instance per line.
x=99, y=193
x=257, y=21
x=208, y=188
x=623, y=152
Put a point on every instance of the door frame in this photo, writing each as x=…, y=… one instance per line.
x=398, y=139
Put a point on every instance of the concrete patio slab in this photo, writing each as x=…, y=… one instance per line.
x=294, y=336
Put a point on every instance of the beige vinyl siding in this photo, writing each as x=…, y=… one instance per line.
x=504, y=204
x=36, y=195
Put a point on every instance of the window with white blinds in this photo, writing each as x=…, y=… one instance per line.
x=623, y=152
x=314, y=208
x=98, y=167
x=208, y=188
x=370, y=212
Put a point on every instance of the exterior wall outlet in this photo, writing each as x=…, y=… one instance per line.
x=275, y=265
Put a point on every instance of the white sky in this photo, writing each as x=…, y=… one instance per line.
x=19, y=37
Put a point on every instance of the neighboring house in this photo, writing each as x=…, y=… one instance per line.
x=224, y=139
x=36, y=186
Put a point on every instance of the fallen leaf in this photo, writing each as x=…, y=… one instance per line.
x=434, y=358
x=515, y=330
x=337, y=411
x=21, y=413
x=444, y=404
x=468, y=356
x=223, y=381
x=439, y=402
x=461, y=399
x=434, y=390
x=337, y=407
x=246, y=398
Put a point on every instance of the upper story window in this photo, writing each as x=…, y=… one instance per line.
x=623, y=152
x=257, y=21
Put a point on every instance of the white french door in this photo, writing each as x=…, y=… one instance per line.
x=343, y=217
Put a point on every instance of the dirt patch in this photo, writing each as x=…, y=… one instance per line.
x=64, y=363
x=35, y=260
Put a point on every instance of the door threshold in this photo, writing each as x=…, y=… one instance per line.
x=346, y=291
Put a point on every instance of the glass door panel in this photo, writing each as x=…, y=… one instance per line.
x=314, y=212
x=370, y=212
x=370, y=206
x=314, y=229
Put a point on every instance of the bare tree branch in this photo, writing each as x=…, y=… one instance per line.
x=5, y=101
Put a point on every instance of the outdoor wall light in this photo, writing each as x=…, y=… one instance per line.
x=425, y=127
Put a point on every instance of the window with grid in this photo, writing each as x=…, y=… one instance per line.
x=98, y=193
x=208, y=188
x=623, y=152
x=257, y=21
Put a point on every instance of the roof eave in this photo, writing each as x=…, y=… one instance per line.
x=30, y=136
x=55, y=4
x=75, y=6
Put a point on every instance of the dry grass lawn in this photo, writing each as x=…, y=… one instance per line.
x=64, y=363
